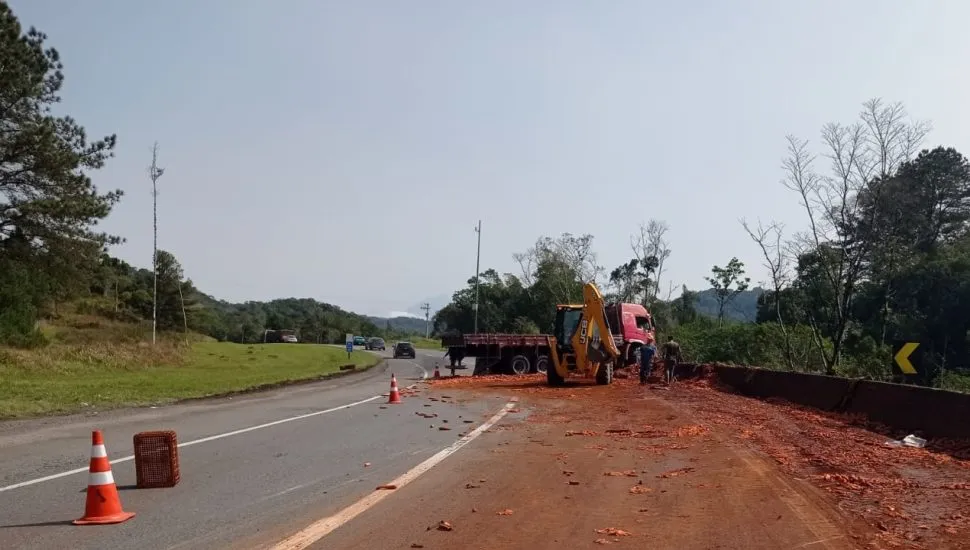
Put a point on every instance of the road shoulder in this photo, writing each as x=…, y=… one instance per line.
x=571, y=476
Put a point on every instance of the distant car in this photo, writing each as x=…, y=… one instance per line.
x=360, y=341
x=289, y=339
x=375, y=344
x=404, y=349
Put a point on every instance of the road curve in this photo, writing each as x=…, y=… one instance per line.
x=254, y=468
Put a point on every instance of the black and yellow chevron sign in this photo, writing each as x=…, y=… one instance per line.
x=903, y=358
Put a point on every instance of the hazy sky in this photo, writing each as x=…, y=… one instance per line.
x=344, y=150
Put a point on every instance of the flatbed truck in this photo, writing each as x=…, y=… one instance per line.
x=631, y=326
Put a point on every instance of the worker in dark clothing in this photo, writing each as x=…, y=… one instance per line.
x=454, y=355
x=647, y=353
x=671, y=356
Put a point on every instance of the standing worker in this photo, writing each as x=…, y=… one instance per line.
x=647, y=353
x=671, y=356
x=455, y=354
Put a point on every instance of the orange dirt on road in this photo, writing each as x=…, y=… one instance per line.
x=692, y=467
x=698, y=467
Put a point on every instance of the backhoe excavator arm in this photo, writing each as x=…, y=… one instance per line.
x=591, y=342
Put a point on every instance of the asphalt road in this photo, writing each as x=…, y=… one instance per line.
x=243, y=483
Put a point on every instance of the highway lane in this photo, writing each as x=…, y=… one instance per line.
x=238, y=489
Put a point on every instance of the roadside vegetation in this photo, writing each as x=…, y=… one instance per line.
x=92, y=363
x=881, y=255
x=76, y=322
x=425, y=343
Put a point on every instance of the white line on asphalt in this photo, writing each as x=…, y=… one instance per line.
x=196, y=442
x=325, y=526
x=424, y=372
x=290, y=490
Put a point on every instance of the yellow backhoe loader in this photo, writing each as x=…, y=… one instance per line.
x=582, y=341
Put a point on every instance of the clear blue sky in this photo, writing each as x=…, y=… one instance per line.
x=344, y=150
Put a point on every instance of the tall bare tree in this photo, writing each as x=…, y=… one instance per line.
x=858, y=155
x=651, y=242
x=778, y=262
x=560, y=266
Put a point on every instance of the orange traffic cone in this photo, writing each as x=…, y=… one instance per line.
x=393, y=398
x=437, y=374
x=103, y=505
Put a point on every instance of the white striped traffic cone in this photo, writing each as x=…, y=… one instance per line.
x=103, y=504
x=393, y=398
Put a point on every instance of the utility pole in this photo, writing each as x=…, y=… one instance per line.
x=478, y=257
x=154, y=173
x=427, y=323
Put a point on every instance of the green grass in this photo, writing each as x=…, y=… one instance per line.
x=954, y=381
x=425, y=343
x=64, y=378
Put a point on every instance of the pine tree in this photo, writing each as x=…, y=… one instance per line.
x=48, y=204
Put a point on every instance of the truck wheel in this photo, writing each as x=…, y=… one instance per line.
x=635, y=355
x=520, y=364
x=552, y=376
x=604, y=375
x=542, y=364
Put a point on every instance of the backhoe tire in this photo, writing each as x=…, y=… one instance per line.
x=520, y=365
x=604, y=375
x=552, y=376
x=542, y=364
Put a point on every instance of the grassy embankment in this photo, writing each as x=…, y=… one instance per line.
x=95, y=364
x=419, y=342
x=426, y=343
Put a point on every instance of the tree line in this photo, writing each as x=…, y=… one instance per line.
x=884, y=254
x=51, y=253
x=123, y=292
x=884, y=257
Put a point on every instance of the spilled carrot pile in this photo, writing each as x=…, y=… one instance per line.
x=915, y=498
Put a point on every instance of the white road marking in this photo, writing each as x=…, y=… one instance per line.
x=195, y=442
x=290, y=490
x=424, y=373
x=325, y=526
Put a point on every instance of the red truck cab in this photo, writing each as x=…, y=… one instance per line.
x=632, y=327
x=631, y=324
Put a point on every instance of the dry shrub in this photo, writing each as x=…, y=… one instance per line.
x=87, y=341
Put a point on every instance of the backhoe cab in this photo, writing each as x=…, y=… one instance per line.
x=582, y=340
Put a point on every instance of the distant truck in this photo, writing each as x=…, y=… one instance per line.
x=631, y=326
x=284, y=336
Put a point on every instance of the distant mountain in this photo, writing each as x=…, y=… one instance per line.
x=436, y=303
x=313, y=321
x=410, y=325
x=411, y=320
x=744, y=307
